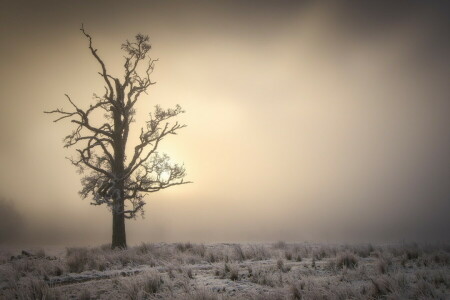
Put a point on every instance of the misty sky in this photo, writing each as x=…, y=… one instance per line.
x=306, y=122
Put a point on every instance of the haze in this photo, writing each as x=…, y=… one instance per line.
x=305, y=121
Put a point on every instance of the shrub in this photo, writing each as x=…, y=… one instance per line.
x=138, y=287
x=199, y=250
x=346, y=259
x=331, y=265
x=145, y=248
x=182, y=247
x=229, y=271
x=153, y=282
x=280, y=264
x=288, y=255
x=239, y=253
x=35, y=288
x=412, y=253
x=263, y=277
x=40, y=253
x=257, y=252
x=382, y=265
x=234, y=273
x=320, y=253
x=424, y=290
x=37, y=267
x=363, y=250
x=280, y=245
x=211, y=257
x=76, y=259
x=382, y=286
x=296, y=291
x=105, y=247
x=441, y=258
x=282, y=267
x=226, y=268
x=189, y=273
x=131, y=289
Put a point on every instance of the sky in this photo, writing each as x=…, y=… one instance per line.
x=305, y=121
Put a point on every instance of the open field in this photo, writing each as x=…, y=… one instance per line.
x=229, y=271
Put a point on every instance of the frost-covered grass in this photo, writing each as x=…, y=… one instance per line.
x=229, y=271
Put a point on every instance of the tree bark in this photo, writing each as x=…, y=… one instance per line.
x=119, y=239
x=118, y=235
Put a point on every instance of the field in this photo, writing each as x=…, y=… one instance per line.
x=228, y=271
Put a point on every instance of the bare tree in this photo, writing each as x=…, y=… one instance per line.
x=109, y=176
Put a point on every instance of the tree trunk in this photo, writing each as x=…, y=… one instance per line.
x=119, y=239
x=118, y=231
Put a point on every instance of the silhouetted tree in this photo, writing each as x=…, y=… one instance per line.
x=110, y=177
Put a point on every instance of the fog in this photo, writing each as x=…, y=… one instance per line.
x=306, y=122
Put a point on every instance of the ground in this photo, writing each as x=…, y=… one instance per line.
x=228, y=271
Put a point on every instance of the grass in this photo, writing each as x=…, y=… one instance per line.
x=346, y=260
x=235, y=271
x=142, y=286
x=77, y=259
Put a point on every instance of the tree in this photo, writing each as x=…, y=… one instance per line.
x=110, y=177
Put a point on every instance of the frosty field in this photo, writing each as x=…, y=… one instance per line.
x=228, y=271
